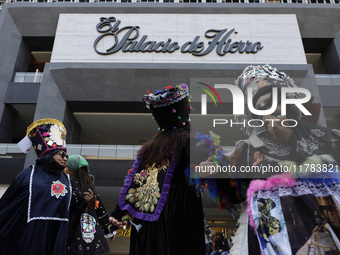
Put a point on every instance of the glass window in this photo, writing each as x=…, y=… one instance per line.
x=107, y=151
x=90, y=150
x=125, y=151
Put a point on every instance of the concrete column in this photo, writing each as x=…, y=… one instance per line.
x=15, y=56
x=312, y=86
x=51, y=104
x=331, y=56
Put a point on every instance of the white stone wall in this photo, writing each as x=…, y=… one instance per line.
x=278, y=34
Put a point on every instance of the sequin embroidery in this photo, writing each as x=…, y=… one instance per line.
x=146, y=197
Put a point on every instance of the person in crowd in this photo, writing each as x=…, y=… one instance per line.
x=89, y=222
x=323, y=239
x=282, y=203
x=166, y=214
x=34, y=210
x=207, y=235
x=221, y=245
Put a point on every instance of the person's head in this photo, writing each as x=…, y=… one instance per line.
x=219, y=235
x=319, y=219
x=60, y=157
x=75, y=164
x=262, y=80
x=53, y=161
x=170, y=109
x=78, y=167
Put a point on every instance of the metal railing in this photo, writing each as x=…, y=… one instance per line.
x=28, y=77
x=181, y=1
x=115, y=152
x=328, y=79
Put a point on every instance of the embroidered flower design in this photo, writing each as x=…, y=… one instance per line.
x=317, y=132
x=57, y=134
x=144, y=173
x=140, y=177
x=58, y=189
x=308, y=145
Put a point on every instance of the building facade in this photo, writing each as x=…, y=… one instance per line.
x=88, y=64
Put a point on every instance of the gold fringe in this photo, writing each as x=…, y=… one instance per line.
x=44, y=122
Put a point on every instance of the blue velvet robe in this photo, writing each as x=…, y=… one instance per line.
x=34, y=213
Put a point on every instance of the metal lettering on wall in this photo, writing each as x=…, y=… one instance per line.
x=123, y=232
x=129, y=42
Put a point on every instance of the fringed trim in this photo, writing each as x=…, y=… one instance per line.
x=224, y=203
x=240, y=238
x=194, y=181
x=283, y=180
x=44, y=122
x=215, y=150
x=218, y=155
x=213, y=191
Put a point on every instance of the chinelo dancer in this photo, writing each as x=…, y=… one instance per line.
x=291, y=205
x=34, y=210
x=155, y=193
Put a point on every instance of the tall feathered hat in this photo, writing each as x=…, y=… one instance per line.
x=262, y=79
x=44, y=135
x=170, y=107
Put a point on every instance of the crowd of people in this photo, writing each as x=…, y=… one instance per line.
x=52, y=206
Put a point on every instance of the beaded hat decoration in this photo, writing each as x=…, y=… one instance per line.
x=262, y=79
x=44, y=135
x=170, y=107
